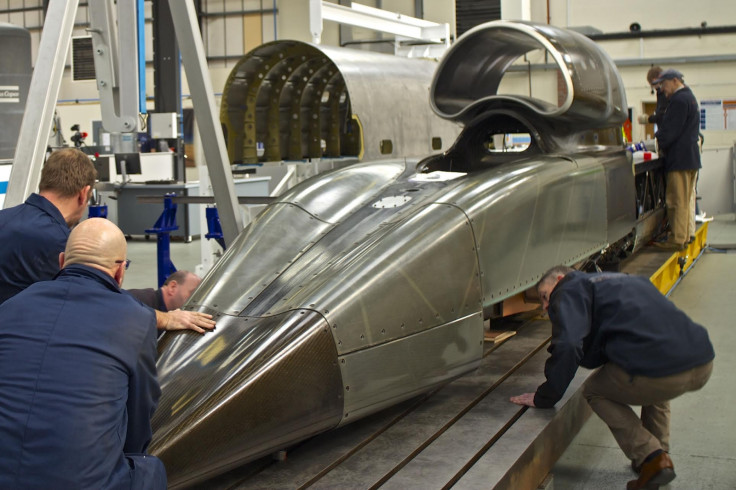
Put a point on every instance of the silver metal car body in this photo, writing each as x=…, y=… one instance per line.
x=367, y=285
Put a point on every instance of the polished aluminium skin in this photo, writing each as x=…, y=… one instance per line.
x=307, y=101
x=366, y=286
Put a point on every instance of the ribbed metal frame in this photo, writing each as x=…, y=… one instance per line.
x=305, y=101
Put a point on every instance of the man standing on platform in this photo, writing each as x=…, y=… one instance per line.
x=678, y=143
x=653, y=74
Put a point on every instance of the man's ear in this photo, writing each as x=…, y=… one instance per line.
x=83, y=196
x=119, y=274
x=61, y=260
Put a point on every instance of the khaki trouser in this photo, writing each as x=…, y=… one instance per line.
x=693, y=207
x=679, y=196
x=611, y=390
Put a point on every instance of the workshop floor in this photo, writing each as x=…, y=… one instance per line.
x=143, y=272
x=703, y=434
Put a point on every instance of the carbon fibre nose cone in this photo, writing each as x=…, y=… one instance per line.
x=238, y=392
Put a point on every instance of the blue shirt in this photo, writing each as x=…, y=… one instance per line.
x=78, y=384
x=33, y=234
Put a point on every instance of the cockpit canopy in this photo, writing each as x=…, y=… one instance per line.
x=555, y=74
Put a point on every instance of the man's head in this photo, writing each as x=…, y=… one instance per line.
x=670, y=81
x=97, y=243
x=67, y=180
x=178, y=287
x=654, y=73
x=549, y=280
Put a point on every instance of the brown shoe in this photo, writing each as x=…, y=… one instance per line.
x=658, y=471
x=678, y=247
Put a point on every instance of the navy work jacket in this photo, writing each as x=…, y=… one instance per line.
x=78, y=385
x=600, y=318
x=33, y=234
x=678, y=131
x=150, y=297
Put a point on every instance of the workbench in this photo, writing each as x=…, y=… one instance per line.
x=134, y=217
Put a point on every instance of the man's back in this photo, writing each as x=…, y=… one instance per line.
x=33, y=235
x=631, y=324
x=625, y=320
x=78, y=383
x=678, y=132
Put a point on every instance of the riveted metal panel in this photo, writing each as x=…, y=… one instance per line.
x=278, y=237
x=531, y=215
x=334, y=196
x=252, y=385
x=284, y=231
x=385, y=374
x=378, y=281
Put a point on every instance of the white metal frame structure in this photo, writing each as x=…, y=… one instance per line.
x=42, y=94
x=117, y=73
x=118, y=85
x=435, y=37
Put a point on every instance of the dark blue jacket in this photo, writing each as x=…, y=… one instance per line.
x=33, y=234
x=678, y=130
x=78, y=386
x=600, y=318
x=661, y=108
x=150, y=297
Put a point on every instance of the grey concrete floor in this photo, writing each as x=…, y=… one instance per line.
x=703, y=435
x=143, y=271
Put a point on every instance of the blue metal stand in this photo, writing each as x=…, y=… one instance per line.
x=165, y=224
x=214, y=230
x=97, y=211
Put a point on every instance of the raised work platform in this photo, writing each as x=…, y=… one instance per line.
x=665, y=268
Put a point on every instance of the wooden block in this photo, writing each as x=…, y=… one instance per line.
x=547, y=483
x=498, y=336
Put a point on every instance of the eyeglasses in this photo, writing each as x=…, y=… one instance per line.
x=125, y=261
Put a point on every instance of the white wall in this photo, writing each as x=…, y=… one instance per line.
x=224, y=36
x=708, y=80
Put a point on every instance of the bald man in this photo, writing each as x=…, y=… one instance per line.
x=78, y=374
x=175, y=291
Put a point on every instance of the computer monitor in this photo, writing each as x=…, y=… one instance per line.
x=128, y=163
x=102, y=165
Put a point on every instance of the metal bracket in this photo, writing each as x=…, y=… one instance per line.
x=119, y=107
x=165, y=224
x=208, y=122
x=116, y=70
